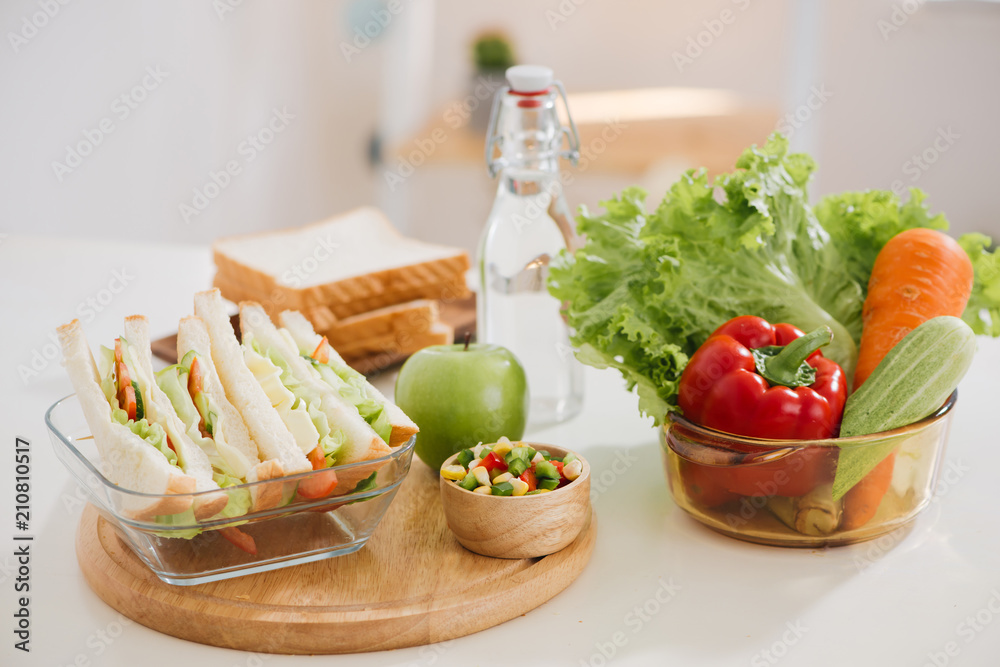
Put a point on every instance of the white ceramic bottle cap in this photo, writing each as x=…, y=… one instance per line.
x=529, y=78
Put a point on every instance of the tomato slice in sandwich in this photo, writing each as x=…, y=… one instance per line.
x=321, y=484
x=322, y=351
x=239, y=539
x=126, y=390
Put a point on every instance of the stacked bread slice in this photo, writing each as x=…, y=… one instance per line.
x=370, y=290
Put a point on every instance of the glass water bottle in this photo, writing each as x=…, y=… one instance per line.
x=528, y=226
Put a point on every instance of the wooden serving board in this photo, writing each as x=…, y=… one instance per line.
x=412, y=584
x=460, y=315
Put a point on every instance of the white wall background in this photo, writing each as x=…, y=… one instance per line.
x=890, y=97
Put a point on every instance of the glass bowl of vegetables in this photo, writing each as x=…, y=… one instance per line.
x=516, y=499
x=782, y=492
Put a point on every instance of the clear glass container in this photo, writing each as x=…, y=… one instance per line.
x=701, y=464
x=528, y=226
x=287, y=528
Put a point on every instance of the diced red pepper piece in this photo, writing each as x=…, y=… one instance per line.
x=493, y=461
x=528, y=476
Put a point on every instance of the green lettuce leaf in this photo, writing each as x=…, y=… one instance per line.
x=353, y=388
x=983, y=311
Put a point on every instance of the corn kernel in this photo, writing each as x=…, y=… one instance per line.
x=502, y=477
x=502, y=447
x=482, y=476
x=483, y=490
x=545, y=490
x=573, y=469
x=520, y=486
x=538, y=457
x=455, y=472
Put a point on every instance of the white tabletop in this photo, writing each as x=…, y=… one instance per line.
x=666, y=589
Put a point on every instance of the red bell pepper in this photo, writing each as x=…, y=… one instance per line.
x=756, y=379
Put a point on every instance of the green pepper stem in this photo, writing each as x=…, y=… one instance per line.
x=788, y=366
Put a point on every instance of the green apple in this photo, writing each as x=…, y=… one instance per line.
x=460, y=396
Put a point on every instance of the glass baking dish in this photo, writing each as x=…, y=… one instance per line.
x=286, y=528
x=728, y=482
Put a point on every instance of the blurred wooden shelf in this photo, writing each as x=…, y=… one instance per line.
x=625, y=131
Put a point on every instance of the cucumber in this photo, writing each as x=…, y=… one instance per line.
x=910, y=383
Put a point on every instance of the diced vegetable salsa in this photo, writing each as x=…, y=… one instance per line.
x=508, y=468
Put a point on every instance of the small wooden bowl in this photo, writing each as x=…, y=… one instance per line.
x=518, y=526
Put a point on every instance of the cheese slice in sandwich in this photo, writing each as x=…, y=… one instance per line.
x=334, y=371
x=267, y=427
x=157, y=409
x=134, y=452
x=343, y=435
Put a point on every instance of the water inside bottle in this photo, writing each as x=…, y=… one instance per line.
x=526, y=230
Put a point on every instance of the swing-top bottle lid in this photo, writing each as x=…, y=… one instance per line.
x=529, y=78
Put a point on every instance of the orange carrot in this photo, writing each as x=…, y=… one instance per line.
x=918, y=275
x=861, y=502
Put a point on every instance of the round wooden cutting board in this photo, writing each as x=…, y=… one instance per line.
x=412, y=584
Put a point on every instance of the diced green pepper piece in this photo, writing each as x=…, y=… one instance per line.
x=550, y=484
x=545, y=470
x=522, y=453
x=465, y=457
x=469, y=483
x=533, y=493
x=516, y=467
x=503, y=489
x=545, y=454
x=569, y=458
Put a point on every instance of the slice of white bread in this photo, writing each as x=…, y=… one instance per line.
x=351, y=263
x=307, y=339
x=272, y=437
x=362, y=443
x=192, y=335
x=128, y=460
x=404, y=342
x=159, y=409
x=453, y=289
x=413, y=317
